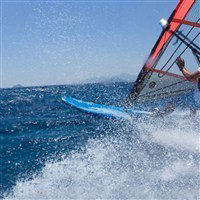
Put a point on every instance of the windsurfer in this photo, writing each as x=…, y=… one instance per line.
x=191, y=77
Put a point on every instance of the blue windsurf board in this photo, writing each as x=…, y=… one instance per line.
x=104, y=110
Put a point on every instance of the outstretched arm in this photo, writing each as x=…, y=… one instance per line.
x=190, y=76
x=194, y=76
x=186, y=73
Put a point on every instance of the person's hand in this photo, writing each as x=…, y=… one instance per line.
x=180, y=63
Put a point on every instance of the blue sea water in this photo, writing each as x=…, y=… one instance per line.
x=52, y=151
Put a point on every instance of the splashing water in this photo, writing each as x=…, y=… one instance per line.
x=155, y=159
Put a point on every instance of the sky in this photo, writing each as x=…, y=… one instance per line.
x=64, y=42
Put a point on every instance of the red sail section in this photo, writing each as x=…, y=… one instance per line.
x=179, y=13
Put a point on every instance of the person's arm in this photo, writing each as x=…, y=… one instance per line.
x=194, y=76
x=190, y=76
x=186, y=73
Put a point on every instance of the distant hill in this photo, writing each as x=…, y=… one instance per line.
x=17, y=86
x=124, y=77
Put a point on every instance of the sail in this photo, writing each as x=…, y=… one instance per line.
x=160, y=77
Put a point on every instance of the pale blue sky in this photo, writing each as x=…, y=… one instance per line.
x=47, y=43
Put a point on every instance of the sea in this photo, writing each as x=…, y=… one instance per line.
x=49, y=150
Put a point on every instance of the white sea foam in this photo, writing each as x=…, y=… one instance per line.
x=124, y=166
x=180, y=132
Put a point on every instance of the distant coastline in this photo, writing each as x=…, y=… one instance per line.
x=124, y=77
x=18, y=86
